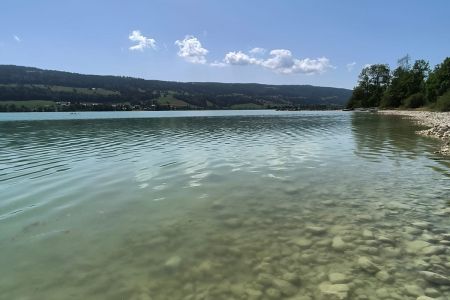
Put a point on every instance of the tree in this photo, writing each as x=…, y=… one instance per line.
x=438, y=81
x=406, y=82
x=372, y=83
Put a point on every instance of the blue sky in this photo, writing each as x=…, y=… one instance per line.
x=278, y=42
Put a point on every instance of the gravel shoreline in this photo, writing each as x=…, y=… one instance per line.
x=439, y=123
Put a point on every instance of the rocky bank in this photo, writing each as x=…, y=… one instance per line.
x=439, y=123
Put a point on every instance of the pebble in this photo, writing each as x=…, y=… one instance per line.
x=273, y=293
x=316, y=230
x=435, y=278
x=300, y=297
x=384, y=276
x=173, y=262
x=303, y=243
x=367, y=234
x=285, y=287
x=338, y=244
x=424, y=298
x=265, y=279
x=232, y=222
x=291, y=277
x=253, y=294
x=421, y=224
x=338, y=278
x=385, y=239
x=432, y=292
x=415, y=247
x=391, y=252
x=367, y=265
x=382, y=293
x=413, y=290
x=334, y=291
x=433, y=250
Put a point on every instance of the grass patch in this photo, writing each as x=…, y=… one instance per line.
x=170, y=100
x=29, y=103
x=247, y=106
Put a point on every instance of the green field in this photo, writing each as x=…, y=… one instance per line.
x=29, y=103
x=247, y=106
x=170, y=100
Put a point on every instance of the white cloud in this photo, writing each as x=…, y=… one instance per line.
x=142, y=41
x=239, y=58
x=257, y=51
x=218, y=64
x=191, y=50
x=280, y=61
x=17, y=39
x=351, y=66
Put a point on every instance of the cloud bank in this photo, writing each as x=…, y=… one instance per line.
x=279, y=60
x=191, y=50
x=141, y=41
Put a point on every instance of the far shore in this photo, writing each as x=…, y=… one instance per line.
x=438, y=123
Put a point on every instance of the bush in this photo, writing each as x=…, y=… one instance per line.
x=443, y=102
x=415, y=100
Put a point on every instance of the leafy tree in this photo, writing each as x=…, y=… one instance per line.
x=438, y=82
x=372, y=83
x=443, y=102
x=406, y=82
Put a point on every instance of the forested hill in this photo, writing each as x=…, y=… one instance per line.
x=25, y=83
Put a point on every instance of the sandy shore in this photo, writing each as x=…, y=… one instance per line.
x=439, y=123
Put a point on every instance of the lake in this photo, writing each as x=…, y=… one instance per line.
x=221, y=205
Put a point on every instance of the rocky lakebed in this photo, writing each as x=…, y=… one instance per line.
x=313, y=251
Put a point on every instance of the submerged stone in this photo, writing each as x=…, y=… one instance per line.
x=233, y=222
x=316, y=230
x=334, y=291
x=273, y=293
x=265, y=279
x=432, y=292
x=413, y=290
x=424, y=298
x=338, y=278
x=303, y=243
x=421, y=224
x=435, y=278
x=415, y=247
x=385, y=239
x=338, y=244
x=253, y=294
x=173, y=262
x=291, y=277
x=367, y=265
x=300, y=297
x=433, y=250
x=384, y=276
x=367, y=234
x=285, y=287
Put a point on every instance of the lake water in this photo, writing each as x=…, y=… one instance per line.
x=221, y=205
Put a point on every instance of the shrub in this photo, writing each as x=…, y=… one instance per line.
x=443, y=102
x=415, y=100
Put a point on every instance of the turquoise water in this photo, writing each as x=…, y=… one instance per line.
x=221, y=205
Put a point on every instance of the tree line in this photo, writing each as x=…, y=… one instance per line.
x=407, y=86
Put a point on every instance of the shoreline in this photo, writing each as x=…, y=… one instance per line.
x=438, y=123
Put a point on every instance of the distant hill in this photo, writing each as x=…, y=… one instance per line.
x=19, y=83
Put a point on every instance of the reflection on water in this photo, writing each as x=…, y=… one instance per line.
x=323, y=205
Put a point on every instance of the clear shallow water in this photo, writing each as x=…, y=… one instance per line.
x=220, y=205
